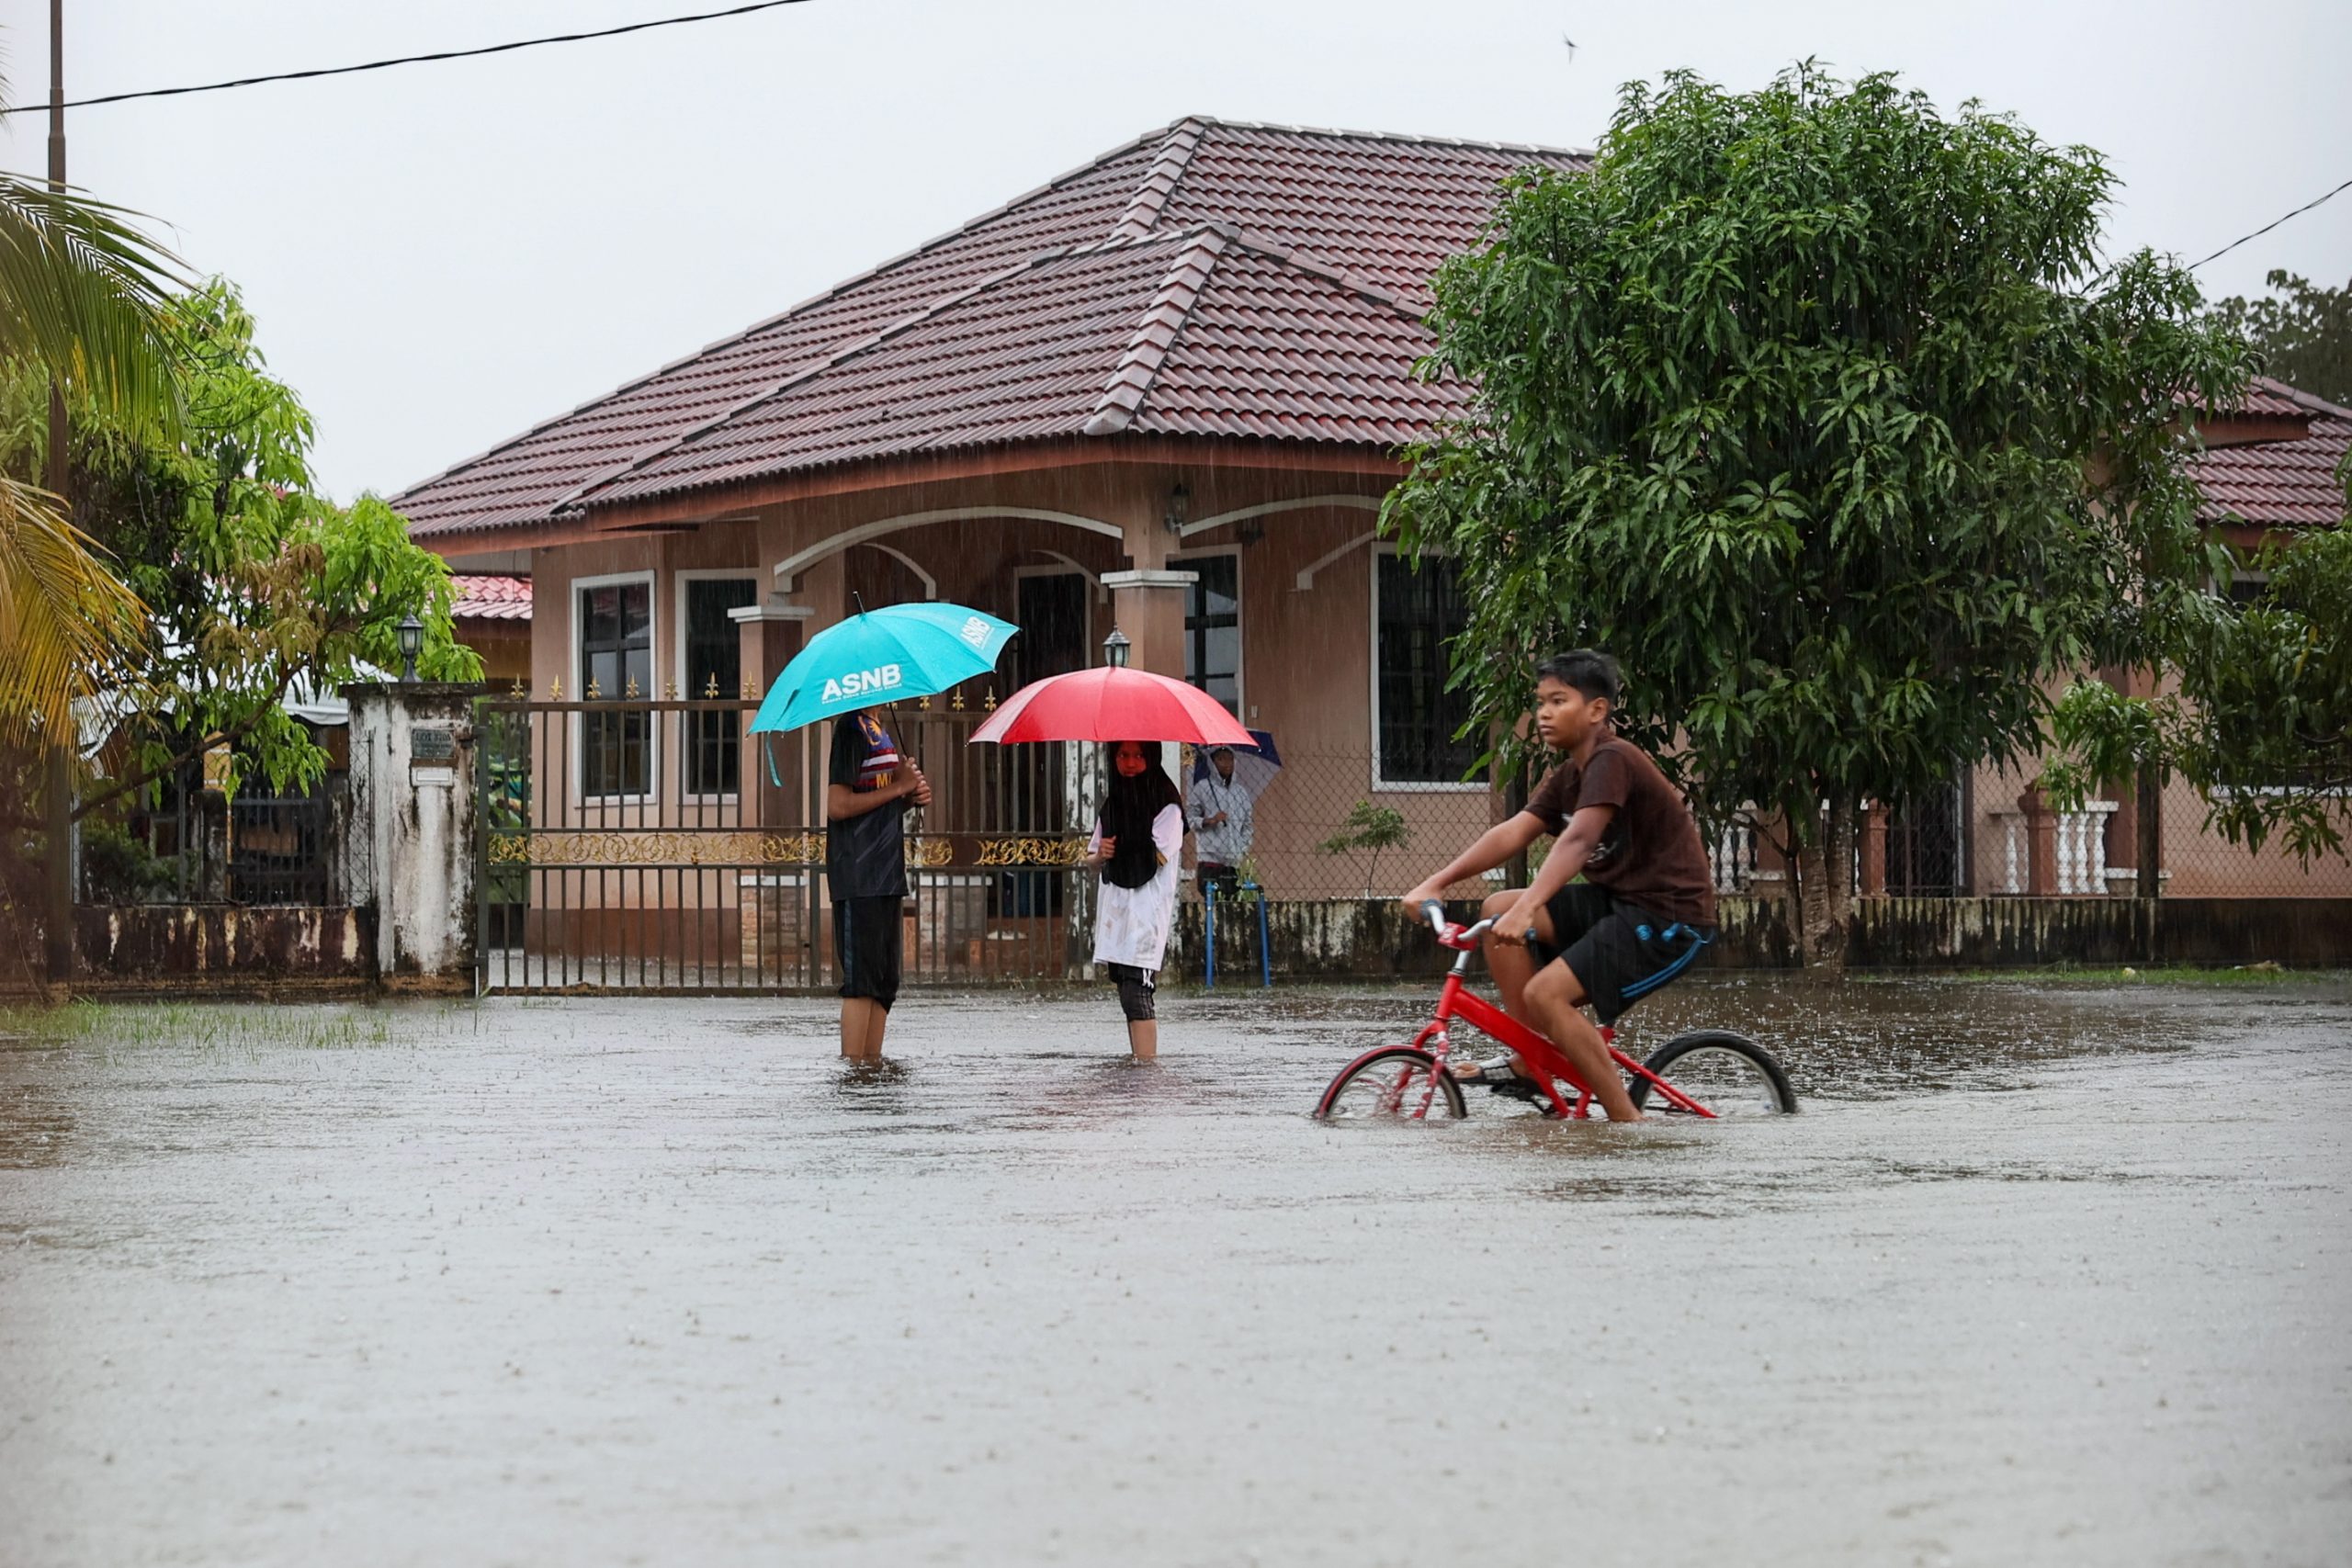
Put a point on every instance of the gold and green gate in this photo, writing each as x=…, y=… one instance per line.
x=654, y=846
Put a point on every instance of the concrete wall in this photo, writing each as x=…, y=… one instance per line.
x=205, y=945
x=410, y=856
x=1348, y=939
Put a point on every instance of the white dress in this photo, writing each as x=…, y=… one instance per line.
x=1131, y=923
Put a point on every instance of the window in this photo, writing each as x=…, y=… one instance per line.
x=713, y=667
x=1418, y=611
x=1213, y=628
x=616, y=666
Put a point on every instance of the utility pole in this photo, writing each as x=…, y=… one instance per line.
x=57, y=795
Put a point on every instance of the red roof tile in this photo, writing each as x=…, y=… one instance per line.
x=2279, y=484
x=1208, y=279
x=491, y=598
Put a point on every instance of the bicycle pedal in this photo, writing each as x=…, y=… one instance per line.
x=1517, y=1087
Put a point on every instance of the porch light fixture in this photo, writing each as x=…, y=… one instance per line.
x=410, y=633
x=1114, y=649
x=1180, y=502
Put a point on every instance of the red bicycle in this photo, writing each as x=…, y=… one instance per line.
x=1715, y=1071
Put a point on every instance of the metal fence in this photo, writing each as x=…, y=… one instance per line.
x=279, y=850
x=657, y=846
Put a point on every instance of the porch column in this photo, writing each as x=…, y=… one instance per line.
x=1149, y=608
x=2042, y=843
x=1874, y=850
x=771, y=630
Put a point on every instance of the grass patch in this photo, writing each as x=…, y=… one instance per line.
x=2119, y=974
x=202, y=1026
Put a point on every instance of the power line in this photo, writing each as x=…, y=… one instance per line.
x=411, y=59
x=2242, y=239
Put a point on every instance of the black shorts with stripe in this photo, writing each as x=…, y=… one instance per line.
x=1620, y=953
x=867, y=947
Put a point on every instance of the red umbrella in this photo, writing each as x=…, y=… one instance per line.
x=1112, y=703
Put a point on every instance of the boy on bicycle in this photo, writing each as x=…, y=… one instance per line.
x=1645, y=909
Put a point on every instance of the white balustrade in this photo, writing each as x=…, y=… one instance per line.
x=1734, y=858
x=2082, y=848
x=2079, y=841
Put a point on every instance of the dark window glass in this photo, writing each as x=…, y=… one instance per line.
x=616, y=667
x=1052, y=639
x=1421, y=613
x=714, y=669
x=1213, y=629
x=1923, y=845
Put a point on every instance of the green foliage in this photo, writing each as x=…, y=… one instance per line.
x=82, y=299
x=118, y=868
x=2303, y=336
x=1818, y=410
x=2260, y=721
x=254, y=583
x=1372, y=828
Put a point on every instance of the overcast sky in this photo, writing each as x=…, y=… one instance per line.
x=443, y=254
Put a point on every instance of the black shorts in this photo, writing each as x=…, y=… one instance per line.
x=1136, y=989
x=866, y=946
x=1621, y=952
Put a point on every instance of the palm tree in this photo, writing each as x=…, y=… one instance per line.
x=82, y=299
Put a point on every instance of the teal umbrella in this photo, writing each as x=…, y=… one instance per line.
x=879, y=655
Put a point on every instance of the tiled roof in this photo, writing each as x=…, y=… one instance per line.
x=1209, y=280
x=2279, y=484
x=2265, y=396
x=491, y=598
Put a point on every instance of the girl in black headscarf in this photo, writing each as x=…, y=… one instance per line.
x=1134, y=846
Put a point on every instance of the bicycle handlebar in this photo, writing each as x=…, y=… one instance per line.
x=1458, y=937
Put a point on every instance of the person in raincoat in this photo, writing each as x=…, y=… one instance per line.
x=1134, y=846
x=1223, y=818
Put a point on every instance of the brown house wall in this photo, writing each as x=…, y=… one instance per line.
x=1305, y=673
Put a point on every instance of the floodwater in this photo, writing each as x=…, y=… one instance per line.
x=2040, y=1276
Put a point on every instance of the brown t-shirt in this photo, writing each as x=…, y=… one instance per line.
x=1649, y=855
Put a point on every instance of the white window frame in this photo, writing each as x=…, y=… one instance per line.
x=678, y=675
x=1373, y=557
x=1176, y=562
x=579, y=587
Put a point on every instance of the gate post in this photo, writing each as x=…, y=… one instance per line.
x=771, y=631
x=410, y=855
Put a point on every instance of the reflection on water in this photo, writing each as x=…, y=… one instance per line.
x=666, y=1280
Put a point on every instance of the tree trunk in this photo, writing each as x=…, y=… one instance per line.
x=1825, y=861
x=2148, y=791
x=57, y=911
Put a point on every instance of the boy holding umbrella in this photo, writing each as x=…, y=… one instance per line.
x=868, y=788
x=874, y=656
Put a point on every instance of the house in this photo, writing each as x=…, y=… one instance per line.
x=491, y=614
x=2272, y=467
x=1164, y=391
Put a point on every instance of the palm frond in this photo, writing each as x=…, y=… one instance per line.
x=68, y=624
x=83, y=293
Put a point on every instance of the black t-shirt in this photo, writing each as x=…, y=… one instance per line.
x=865, y=856
x=1649, y=855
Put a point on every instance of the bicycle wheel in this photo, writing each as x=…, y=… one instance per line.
x=1395, y=1082
x=1729, y=1074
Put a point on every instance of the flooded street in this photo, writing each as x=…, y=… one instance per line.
x=2040, y=1275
